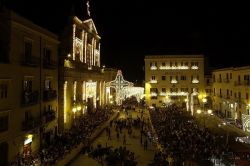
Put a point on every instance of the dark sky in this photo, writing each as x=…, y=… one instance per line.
x=131, y=29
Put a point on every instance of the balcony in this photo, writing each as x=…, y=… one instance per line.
x=173, y=81
x=153, y=67
x=49, y=64
x=174, y=67
x=163, y=94
x=49, y=95
x=153, y=81
x=31, y=61
x=194, y=67
x=195, y=81
x=48, y=116
x=30, y=124
x=75, y=65
x=29, y=98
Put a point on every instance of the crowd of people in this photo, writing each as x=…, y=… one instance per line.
x=65, y=142
x=111, y=157
x=182, y=140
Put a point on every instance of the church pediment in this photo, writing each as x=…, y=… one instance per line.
x=91, y=25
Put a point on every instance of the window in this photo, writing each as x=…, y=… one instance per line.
x=181, y=63
x=231, y=93
x=27, y=49
x=4, y=57
x=227, y=92
x=48, y=84
x=47, y=55
x=163, y=90
x=3, y=90
x=175, y=63
x=239, y=94
x=231, y=76
x=186, y=63
x=163, y=64
x=171, y=78
x=27, y=85
x=220, y=92
x=4, y=123
x=153, y=90
x=208, y=82
x=227, y=76
x=163, y=78
x=3, y=153
x=247, y=96
x=171, y=64
x=153, y=78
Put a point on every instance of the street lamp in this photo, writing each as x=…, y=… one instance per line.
x=79, y=108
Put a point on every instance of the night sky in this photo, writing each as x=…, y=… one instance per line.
x=131, y=29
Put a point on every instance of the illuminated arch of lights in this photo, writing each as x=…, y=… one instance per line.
x=119, y=84
x=138, y=92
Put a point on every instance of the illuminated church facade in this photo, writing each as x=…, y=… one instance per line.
x=82, y=79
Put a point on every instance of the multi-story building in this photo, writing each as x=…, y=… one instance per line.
x=82, y=79
x=28, y=86
x=178, y=78
x=231, y=89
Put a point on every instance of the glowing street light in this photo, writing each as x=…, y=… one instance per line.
x=79, y=108
x=198, y=111
x=209, y=111
x=74, y=110
x=204, y=100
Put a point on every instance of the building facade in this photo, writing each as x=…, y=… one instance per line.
x=28, y=86
x=231, y=88
x=82, y=79
x=174, y=78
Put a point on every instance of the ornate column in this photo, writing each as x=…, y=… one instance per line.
x=92, y=52
x=82, y=49
x=99, y=56
x=85, y=46
x=73, y=40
